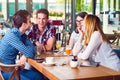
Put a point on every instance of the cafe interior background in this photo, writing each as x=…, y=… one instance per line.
x=62, y=14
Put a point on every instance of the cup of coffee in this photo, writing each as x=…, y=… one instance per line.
x=50, y=60
x=73, y=63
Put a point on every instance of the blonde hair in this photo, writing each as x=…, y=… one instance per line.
x=92, y=23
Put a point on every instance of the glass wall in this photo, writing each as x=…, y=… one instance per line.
x=11, y=7
x=21, y=4
x=107, y=10
x=0, y=6
x=38, y=4
x=84, y=5
x=109, y=14
x=56, y=9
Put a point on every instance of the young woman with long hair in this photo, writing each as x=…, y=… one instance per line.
x=93, y=41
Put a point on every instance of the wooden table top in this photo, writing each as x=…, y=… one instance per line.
x=64, y=72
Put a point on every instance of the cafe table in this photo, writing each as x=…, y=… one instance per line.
x=65, y=72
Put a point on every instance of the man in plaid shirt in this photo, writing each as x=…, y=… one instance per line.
x=43, y=34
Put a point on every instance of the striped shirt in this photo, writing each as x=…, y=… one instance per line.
x=12, y=43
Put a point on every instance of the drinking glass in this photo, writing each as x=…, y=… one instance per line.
x=58, y=45
x=68, y=50
x=38, y=52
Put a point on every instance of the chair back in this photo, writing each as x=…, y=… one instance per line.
x=15, y=69
x=113, y=38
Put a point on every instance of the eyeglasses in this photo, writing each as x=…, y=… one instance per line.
x=79, y=21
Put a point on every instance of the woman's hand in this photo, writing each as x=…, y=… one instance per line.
x=81, y=34
x=80, y=30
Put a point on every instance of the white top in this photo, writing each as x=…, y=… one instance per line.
x=73, y=38
x=101, y=50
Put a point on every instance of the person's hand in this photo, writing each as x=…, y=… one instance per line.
x=80, y=31
x=22, y=60
x=40, y=45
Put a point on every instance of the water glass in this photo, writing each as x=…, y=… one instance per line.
x=38, y=52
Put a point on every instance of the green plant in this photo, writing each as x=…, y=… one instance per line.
x=1, y=15
x=90, y=7
x=60, y=14
x=56, y=13
x=101, y=5
x=80, y=6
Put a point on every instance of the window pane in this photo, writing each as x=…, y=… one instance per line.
x=56, y=9
x=38, y=4
x=0, y=6
x=11, y=7
x=21, y=4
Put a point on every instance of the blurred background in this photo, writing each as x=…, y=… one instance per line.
x=62, y=13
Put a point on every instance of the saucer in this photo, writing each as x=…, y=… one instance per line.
x=48, y=64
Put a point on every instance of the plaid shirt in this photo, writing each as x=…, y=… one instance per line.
x=34, y=34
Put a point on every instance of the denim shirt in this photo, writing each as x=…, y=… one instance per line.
x=12, y=43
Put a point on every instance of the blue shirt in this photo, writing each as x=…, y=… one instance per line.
x=12, y=43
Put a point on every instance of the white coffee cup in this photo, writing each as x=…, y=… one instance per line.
x=50, y=60
x=73, y=64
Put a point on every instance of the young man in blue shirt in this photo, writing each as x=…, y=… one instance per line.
x=15, y=41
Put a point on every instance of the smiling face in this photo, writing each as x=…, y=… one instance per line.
x=42, y=20
x=79, y=22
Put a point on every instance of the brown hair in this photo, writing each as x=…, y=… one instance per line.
x=82, y=15
x=93, y=23
x=44, y=11
x=20, y=17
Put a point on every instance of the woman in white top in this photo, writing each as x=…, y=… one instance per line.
x=95, y=43
x=76, y=34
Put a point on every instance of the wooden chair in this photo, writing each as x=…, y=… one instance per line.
x=117, y=33
x=113, y=39
x=11, y=68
